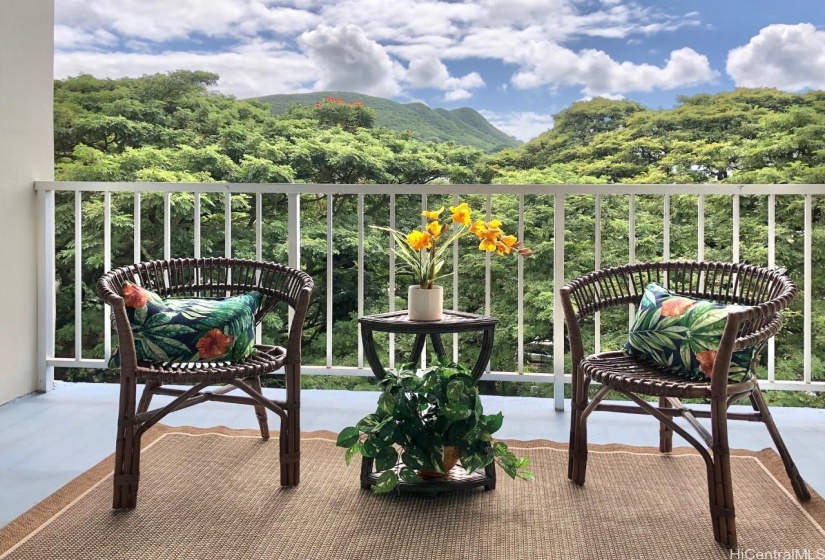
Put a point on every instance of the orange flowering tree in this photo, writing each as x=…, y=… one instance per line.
x=422, y=251
x=349, y=116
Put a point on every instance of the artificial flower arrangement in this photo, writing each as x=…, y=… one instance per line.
x=422, y=251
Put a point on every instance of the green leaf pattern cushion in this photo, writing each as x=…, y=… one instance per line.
x=189, y=330
x=681, y=334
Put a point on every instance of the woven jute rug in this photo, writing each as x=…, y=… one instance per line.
x=215, y=494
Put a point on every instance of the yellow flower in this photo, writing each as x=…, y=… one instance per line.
x=494, y=225
x=461, y=214
x=504, y=246
x=419, y=240
x=487, y=245
x=433, y=215
x=435, y=229
x=478, y=228
x=488, y=240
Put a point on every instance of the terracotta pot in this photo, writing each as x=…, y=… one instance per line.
x=450, y=458
x=425, y=304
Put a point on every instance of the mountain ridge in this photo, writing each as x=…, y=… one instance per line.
x=463, y=125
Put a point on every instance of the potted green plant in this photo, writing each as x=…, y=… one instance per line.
x=420, y=418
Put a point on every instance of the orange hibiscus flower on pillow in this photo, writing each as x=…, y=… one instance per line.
x=675, y=306
x=134, y=296
x=213, y=344
x=706, y=361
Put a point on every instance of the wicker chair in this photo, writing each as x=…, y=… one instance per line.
x=212, y=277
x=765, y=292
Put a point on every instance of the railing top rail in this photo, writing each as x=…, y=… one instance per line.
x=317, y=188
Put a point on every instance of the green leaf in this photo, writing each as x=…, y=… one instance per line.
x=348, y=437
x=386, y=482
x=386, y=432
x=415, y=458
x=158, y=319
x=158, y=353
x=368, y=424
x=409, y=475
x=168, y=330
x=387, y=459
x=371, y=447
x=492, y=422
x=140, y=314
x=455, y=390
x=386, y=403
x=457, y=411
x=350, y=453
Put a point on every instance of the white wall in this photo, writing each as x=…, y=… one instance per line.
x=26, y=155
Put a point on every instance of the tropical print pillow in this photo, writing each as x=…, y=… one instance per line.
x=189, y=330
x=681, y=334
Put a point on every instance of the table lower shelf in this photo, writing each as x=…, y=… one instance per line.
x=456, y=479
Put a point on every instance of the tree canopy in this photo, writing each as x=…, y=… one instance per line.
x=173, y=128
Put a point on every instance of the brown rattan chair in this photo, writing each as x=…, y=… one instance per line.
x=211, y=277
x=765, y=293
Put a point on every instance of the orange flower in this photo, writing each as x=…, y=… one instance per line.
x=213, y=344
x=478, y=228
x=504, y=246
x=134, y=296
x=461, y=214
x=495, y=225
x=432, y=215
x=706, y=361
x=488, y=240
x=673, y=307
x=435, y=229
x=419, y=240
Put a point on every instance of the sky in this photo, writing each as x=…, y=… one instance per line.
x=517, y=62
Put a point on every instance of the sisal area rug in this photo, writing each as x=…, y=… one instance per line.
x=215, y=494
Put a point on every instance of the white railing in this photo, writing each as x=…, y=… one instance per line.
x=46, y=191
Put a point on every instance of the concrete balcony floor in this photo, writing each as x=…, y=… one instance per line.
x=48, y=439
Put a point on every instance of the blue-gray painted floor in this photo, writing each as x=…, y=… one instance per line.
x=48, y=439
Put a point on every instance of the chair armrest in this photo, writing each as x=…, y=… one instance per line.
x=126, y=340
x=296, y=326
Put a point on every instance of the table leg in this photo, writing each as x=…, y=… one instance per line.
x=368, y=341
x=485, y=353
x=438, y=345
x=417, y=349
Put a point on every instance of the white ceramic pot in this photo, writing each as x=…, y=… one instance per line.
x=425, y=304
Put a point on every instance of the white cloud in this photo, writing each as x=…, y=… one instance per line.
x=523, y=125
x=457, y=95
x=600, y=75
x=787, y=57
x=350, y=61
x=161, y=20
x=265, y=46
x=66, y=37
x=255, y=70
x=431, y=72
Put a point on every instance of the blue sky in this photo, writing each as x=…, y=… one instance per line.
x=516, y=61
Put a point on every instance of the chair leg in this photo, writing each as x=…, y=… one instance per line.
x=722, y=513
x=577, y=462
x=665, y=431
x=127, y=449
x=799, y=486
x=146, y=397
x=260, y=411
x=291, y=428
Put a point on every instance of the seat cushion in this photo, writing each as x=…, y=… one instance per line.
x=189, y=330
x=681, y=335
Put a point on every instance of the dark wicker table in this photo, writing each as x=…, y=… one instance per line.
x=451, y=322
x=397, y=322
